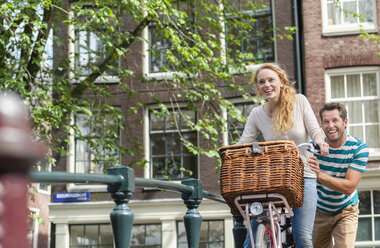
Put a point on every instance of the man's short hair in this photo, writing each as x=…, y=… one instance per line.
x=334, y=105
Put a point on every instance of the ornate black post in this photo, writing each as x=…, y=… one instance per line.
x=239, y=231
x=192, y=218
x=122, y=216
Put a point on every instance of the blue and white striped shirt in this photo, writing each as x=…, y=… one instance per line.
x=354, y=155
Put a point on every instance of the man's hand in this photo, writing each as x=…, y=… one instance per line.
x=345, y=185
x=313, y=163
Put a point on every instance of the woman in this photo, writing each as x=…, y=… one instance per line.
x=287, y=116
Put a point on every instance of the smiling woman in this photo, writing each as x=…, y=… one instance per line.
x=287, y=116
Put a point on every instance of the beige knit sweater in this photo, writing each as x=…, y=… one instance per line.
x=305, y=126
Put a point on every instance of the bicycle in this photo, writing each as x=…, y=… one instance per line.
x=272, y=212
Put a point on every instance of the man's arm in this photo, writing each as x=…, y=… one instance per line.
x=345, y=185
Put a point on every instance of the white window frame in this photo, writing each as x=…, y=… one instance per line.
x=40, y=190
x=70, y=165
x=168, y=75
x=372, y=215
x=249, y=67
x=374, y=153
x=35, y=227
x=148, y=173
x=108, y=79
x=235, y=101
x=350, y=28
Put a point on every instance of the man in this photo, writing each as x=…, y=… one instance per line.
x=338, y=176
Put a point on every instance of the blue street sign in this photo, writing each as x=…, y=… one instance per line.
x=71, y=196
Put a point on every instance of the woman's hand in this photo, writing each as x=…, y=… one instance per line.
x=323, y=146
x=313, y=163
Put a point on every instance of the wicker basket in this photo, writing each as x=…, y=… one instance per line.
x=279, y=169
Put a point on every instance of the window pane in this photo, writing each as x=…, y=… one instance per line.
x=169, y=156
x=173, y=143
x=92, y=234
x=191, y=137
x=255, y=44
x=159, y=169
x=81, y=151
x=159, y=46
x=354, y=110
x=172, y=121
x=157, y=143
x=376, y=200
x=153, y=235
x=216, y=245
x=365, y=202
x=372, y=131
x=333, y=14
x=264, y=43
x=82, y=121
x=337, y=86
x=216, y=230
x=156, y=122
x=211, y=234
x=190, y=165
x=190, y=115
x=350, y=9
x=353, y=85
x=369, y=84
x=357, y=132
x=106, y=235
x=365, y=9
x=204, y=232
x=181, y=233
x=371, y=111
x=138, y=235
x=76, y=235
x=377, y=228
x=364, y=230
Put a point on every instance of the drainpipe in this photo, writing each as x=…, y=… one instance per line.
x=298, y=49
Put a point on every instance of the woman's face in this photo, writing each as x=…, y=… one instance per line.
x=269, y=84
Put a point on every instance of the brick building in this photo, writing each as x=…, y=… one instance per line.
x=339, y=66
x=322, y=55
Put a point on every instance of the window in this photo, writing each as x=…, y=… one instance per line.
x=235, y=127
x=90, y=51
x=358, y=89
x=146, y=235
x=169, y=157
x=368, y=234
x=250, y=35
x=89, y=159
x=101, y=236
x=160, y=46
x=33, y=228
x=211, y=234
x=348, y=16
x=45, y=167
x=91, y=235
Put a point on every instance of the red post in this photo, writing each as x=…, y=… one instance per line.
x=18, y=152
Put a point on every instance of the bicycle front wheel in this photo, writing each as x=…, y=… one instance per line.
x=264, y=236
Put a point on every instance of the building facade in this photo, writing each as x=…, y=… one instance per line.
x=325, y=58
x=340, y=66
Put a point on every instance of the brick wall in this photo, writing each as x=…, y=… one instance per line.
x=322, y=52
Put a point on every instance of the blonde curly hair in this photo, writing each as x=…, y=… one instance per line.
x=283, y=114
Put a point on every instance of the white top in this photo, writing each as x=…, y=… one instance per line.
x=305, y=126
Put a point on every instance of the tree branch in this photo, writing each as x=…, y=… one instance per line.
x=34, y=65
x=81, y=87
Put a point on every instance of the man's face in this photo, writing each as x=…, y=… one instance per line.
x=334, y=128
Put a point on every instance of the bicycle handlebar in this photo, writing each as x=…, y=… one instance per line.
x=310, y=146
